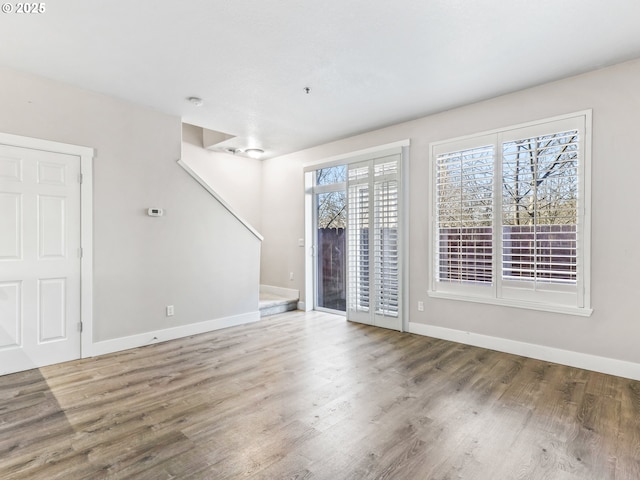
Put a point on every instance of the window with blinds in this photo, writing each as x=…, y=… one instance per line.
x=539, y=208
x=509, y=215
x=373, y=237
x=464, y=222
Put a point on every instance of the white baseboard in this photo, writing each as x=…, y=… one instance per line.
x=147, y=338
x=611, y=366
x=280, y=291
x=302, y=306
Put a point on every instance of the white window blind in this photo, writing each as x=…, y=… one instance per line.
x=509, y=215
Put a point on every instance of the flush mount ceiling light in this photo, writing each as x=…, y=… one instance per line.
x=197, y=101
x=245, y=152
x=254, y=152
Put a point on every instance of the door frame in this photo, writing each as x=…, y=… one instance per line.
x=308, y=241
x=86, y=155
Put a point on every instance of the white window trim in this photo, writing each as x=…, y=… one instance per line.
x=585, y=309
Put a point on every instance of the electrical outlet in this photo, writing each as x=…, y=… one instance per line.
x=290, y=275
x=170, y=311
x=421, y=306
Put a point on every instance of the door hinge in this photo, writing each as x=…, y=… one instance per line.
x=80, y=252
x=80, y=327
x=80, y=178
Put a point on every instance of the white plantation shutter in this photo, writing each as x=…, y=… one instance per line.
x=509, y=215
x=542, y=200
x=358, y=275
x=540, y=194
x=373, y=237
x=464, y=216
x=385, y=252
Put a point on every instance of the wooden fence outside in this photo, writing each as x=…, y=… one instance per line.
x=542, y=252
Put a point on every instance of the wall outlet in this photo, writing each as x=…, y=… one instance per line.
x=421, y=306
x=170, y=311
x=290, y=275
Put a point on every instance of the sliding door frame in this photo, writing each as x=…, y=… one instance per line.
x=309, y=239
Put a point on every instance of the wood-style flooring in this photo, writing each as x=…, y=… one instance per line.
x=311, y=396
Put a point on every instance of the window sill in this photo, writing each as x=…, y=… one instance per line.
x=545, y=307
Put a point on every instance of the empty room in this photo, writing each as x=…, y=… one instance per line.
x=319, y=240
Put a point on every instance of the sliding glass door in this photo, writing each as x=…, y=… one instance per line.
x=357, y=234
x=330, y=205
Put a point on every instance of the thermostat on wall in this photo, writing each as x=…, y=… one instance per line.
x=155, y=212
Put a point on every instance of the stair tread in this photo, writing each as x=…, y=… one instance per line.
x=270, y=300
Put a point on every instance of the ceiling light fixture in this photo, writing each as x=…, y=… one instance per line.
x=254, y=152
x=197, y=101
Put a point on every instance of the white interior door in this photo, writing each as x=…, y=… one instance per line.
x=39, y=258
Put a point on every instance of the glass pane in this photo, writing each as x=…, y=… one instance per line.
x=327, y=176
x=332, y=218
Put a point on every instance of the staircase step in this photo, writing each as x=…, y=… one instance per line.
x=281, y=308
x=273, y=304
x=275, y=300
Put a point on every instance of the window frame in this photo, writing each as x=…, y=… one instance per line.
x=501, y=291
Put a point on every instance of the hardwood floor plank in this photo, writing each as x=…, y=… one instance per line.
x=311, y=396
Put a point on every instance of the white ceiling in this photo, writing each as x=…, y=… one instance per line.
x=369, y=63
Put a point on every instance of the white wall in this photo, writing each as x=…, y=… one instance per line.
x=237, y=179
x=613, y=329
x=197, y=257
